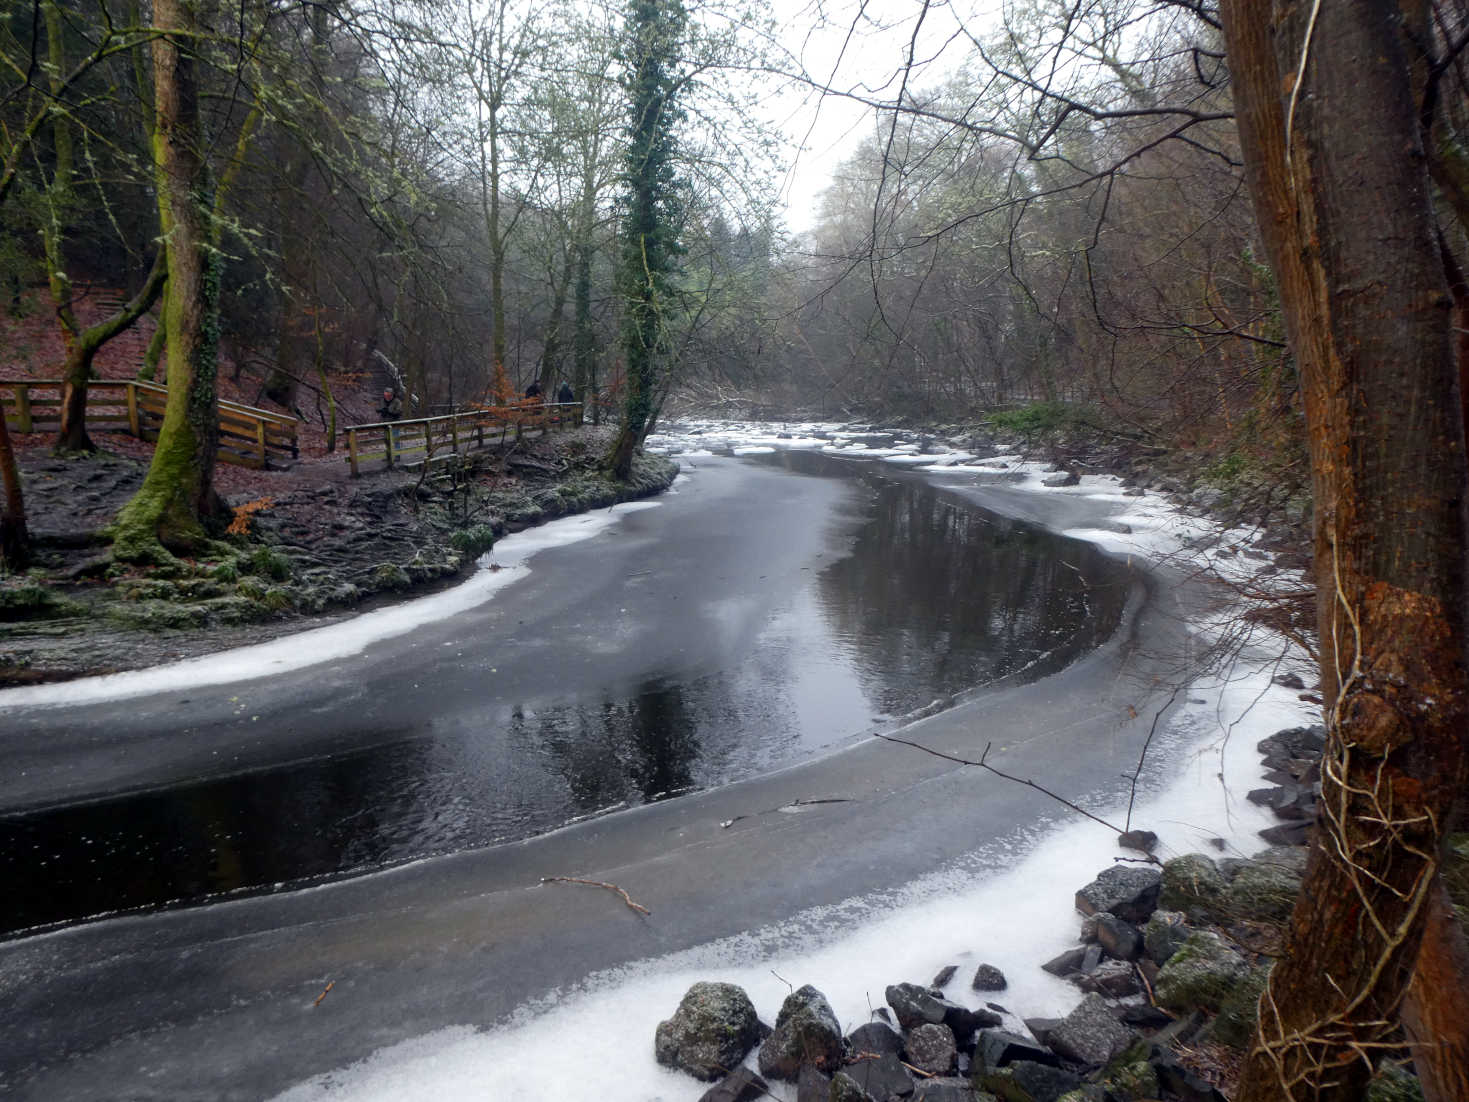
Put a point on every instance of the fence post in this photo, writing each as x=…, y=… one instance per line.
x=352, y=450
x=23, y=408
x=260, y=441
x=390, y=438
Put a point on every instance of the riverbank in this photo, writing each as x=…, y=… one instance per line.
x=317, y=548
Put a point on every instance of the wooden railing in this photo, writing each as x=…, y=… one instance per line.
x=248, y=436
x=426, y=439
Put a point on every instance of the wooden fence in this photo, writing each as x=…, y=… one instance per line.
x=248, y=436
x=426, y=439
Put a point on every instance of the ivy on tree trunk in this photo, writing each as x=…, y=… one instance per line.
x=650, y=245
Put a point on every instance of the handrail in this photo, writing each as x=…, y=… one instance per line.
x=248, y=436
x=450, y=433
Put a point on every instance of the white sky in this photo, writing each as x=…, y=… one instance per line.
x=857, y=48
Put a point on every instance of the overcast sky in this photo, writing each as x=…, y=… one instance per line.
x=859, y=48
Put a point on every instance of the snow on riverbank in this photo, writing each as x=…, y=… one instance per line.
x=1009, y=904
x=498, y=568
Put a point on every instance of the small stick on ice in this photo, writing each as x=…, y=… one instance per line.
x=324, y=990
x=597, y=884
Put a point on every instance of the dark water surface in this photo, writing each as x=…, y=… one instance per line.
x=933, y=598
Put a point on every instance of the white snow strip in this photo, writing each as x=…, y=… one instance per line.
x=336, y=641
x=1013, y=914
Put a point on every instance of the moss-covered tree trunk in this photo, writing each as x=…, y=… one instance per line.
x=1341, y=192
x=177, y=495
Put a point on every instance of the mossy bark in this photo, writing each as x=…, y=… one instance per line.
x=177, y=496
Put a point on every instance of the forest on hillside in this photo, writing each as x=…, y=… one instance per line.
x=1049, y=210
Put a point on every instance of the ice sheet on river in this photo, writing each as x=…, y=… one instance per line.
x=506, y=563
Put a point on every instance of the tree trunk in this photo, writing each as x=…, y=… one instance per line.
x=177, y=494
x=1341, y=195
x=72, y=437
x=551, y=372
x=584, y=341
x=15, y=541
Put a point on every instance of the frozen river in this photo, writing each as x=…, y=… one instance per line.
x=734, y=643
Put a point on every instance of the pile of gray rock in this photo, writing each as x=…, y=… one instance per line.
x=1147, y=928
x=1172, y=955
x=1293, y=768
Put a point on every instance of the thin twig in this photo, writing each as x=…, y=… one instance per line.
x=982, y=764
x=324, y=990
x=597, y=884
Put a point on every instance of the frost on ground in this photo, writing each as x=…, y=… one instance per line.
x=498, y=568
x=596, y=1042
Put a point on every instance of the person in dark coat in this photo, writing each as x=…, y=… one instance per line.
x=392, y=407
x=564, y=395
x=534, y=390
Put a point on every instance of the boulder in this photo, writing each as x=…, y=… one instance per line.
x=1287, y=834
x=1234, y=1025
x=944, y=1089
x=944, y=975
x=1144, y=1016
x=1191, y=884
x=1262, y=892
x=1293, y=742
x=806, y=1032
x=1394, y=1083
x=881, y=1077
x=846, y=1089
x=1090, y=1034
x=1130, y=1075
x=1200, y=975
x=1023, y=1081
x=741, y=1085
x=1122, y=940
x=1066, y=963
x=1164, y=933
x=996, y=1048
x=988, y=978
x=1144, y=841
x=1128, y=891
x=931, y=1049
x=1040, y=1028
x=875, y=1038
x=1183, y=1084
x=1114, y=978
x=1065, y=478
x=711, y=1031
x=1290, y=857
x=914, y=1006
x=812, y=1085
